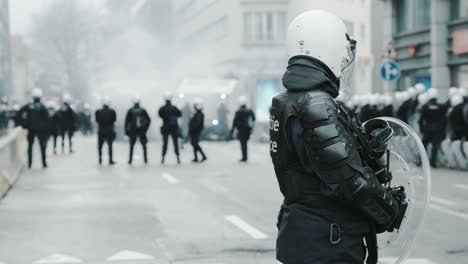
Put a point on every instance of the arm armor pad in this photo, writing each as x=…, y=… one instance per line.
x=332, y=153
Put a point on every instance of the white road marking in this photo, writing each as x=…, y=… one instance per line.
x=125, y=255
x=408, y=261
x=244, y=226
x=213, y=186
x=442, y=201
x=171, y=179
x=58, y=259
x=449, y=211
x=462, y=186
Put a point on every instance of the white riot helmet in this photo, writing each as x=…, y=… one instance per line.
x=167, y=96
x=243, y=100
x=388, y=99
x=323, y=36
x=198, y=103
x=412, y=92
x=456, y=100
x=420, y=88
x=36, y=93
x=136, y=99
x=432, y=93
x=452, y=91
x=423, y=98
x=67, y=98
x=105, y=101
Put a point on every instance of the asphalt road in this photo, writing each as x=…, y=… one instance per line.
x=217, y=212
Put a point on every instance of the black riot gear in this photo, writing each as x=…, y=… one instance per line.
x=137, y=123
x=35, y=118
x=331, y=193
x=432, y=123
x=170, y=115
x=196, y=126
x=105, y=119
x=67, y=119
x=243, y=123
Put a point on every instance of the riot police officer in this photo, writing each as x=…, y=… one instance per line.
x=137, y=123
x=243, y=122
x=332, y=199
x=35, y=118
x=54, y=128
x=67, y=122
x=170, y=115
x=432, y=123
x=85, y=120
x=196, y=126
x=105, y=119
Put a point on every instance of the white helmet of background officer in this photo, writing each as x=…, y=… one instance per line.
x=420, y=88
x=243, y=100
x=432, y=94
x=452, y=91
x=335, y=49
x=105, y=101
x=456, y=100
x=462, y=91
x=412, y=92
x=36, y=93
x=167, y=96
x=198, y=103
x=66, y=98
x=136, y=99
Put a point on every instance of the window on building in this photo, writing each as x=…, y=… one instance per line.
x=460, y=76
x=459, y=9
x=402, y=14
x=248, y=27
x=422, y=14
x=264, y=27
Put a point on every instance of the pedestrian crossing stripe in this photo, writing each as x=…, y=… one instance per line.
x=126, y=255
x=408, y=261
x=58, y=259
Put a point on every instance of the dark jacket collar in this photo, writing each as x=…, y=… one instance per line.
x=307, y=74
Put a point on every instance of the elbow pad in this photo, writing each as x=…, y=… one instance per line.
x=332, y=153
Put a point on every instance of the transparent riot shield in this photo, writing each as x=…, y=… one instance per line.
x=409, y=165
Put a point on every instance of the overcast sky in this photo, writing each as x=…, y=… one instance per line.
x=21, y=12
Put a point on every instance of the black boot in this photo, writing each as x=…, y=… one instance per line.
x=178, y=159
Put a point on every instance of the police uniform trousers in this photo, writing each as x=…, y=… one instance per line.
x=108, y=138
x=42, y=137
x=140, y=135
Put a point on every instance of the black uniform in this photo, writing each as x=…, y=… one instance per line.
x=196, y=126
x=105, y=118
x=170, y=115
x=4, y=118
x=243, y=123
x=432, y=123
x=332, y=199
x=137, y=123
x=35, y=118
x=85, y=122
x=67, y=122
x=54, y=127
x=406, y=110
x=458, y=127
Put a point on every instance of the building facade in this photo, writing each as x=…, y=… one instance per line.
x=22, y=75
x=431, y=38
x=5, y=59
x=242, y=40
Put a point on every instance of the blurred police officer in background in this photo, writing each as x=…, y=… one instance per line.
x=170, y=128
x=332, y=201
x=433, y=122
x=35, y=118
x=67, y=122
x=137, y=123
x=196, y=126
x=54, y=128
x=85, y=120
x=243, y=123
x=105, y=119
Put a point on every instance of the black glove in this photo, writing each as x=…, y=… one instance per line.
x=399, y=195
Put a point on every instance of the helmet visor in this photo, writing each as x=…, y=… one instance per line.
x=348, y=68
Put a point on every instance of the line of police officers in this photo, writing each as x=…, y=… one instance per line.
x=423, y=110
x=44, y=121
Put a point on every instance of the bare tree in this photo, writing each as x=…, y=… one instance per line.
x=65, y=40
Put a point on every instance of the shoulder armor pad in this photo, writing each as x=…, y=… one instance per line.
x=317, y=109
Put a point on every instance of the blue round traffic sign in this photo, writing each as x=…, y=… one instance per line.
x=390, y=71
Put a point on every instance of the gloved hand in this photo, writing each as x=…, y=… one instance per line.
x=399, y=195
